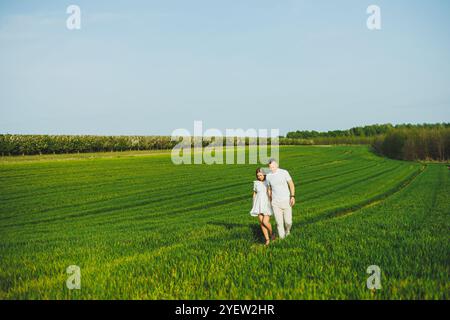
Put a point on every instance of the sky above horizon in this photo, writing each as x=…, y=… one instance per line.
x=150, y=67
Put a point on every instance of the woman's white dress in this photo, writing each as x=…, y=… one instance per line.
x=261, y=203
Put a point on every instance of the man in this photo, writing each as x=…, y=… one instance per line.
x=281, y=191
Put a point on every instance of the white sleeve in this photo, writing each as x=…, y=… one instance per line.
x=287, y=176
x=254, y=186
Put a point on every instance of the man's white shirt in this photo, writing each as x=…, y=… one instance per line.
x=278, y=183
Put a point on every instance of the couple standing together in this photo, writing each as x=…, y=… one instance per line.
x=273, y=193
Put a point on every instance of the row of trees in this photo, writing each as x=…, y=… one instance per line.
x=365, y=131
x=46, y=144
x=56, y=144
x=415, y=143
x=408, y=142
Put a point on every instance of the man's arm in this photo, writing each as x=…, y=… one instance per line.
x=292, y=192
x=269, y=192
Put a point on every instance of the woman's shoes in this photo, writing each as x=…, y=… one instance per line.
x=267, y=242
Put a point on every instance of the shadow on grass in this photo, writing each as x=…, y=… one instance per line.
x=255, y=229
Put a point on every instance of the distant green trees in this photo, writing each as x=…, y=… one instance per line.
x=11, y=144
x=415, y=143
x=45, y=144
x=405, y=141
x=365, y=131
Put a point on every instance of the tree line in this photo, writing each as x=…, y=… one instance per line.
x=364, y=131
x=404, y=141
x=417, y=143
x=13, y=144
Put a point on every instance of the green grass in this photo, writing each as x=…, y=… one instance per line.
x=141, y=228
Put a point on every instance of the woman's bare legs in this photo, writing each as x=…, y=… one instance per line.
x=264, y=228
x=266, y=221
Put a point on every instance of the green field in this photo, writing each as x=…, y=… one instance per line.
x=141, y=228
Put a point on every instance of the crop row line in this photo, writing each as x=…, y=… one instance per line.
x=345, y=211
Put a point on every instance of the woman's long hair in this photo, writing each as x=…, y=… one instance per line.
x=260, y=170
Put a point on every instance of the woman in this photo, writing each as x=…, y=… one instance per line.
x=261, y=205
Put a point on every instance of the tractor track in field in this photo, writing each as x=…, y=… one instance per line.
x=346, y=211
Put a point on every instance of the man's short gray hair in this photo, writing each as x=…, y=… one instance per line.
x=271, y=160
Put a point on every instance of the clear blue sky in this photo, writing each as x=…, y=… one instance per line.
x=149, y=67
